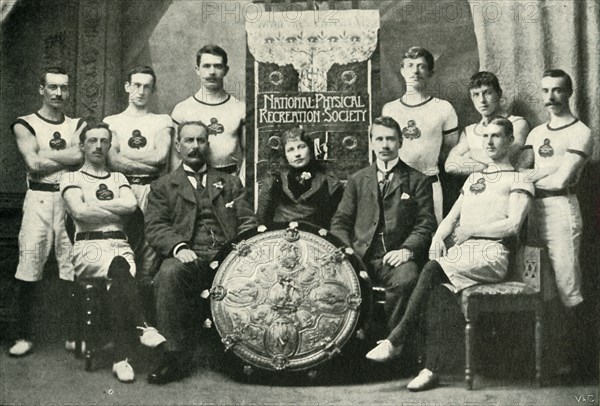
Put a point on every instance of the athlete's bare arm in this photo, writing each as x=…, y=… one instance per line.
x=568, y=169
x=571, y=164
x=37, y=164
x=119, y=163
x=449, y=141
x=125, y=204
x=520, y=132
x=444, y=230
x=526, y=159
x=69, y=156
x=518, y=206
x=159, y=156
x=460, y=162
x=83, y=212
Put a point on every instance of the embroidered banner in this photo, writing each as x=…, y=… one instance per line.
x=318, y=74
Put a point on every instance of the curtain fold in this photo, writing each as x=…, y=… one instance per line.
x=518, y=40
x=5, y=8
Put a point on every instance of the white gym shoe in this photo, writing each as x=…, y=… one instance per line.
x=20, y=347
x=123, y=371
x=151, y=337
x=425, y=380
x=384, y=351
x=70, y=345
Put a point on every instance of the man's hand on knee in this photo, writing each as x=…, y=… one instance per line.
x=438, y=249
x=397, y=257
x=186, y=255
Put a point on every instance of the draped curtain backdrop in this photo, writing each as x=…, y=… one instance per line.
x=5, y=7
x=518, y=40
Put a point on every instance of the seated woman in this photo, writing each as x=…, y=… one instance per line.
x=301, y=190
x=491, y=209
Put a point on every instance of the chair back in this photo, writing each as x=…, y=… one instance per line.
x=527, y=267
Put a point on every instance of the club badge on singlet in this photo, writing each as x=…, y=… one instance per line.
x=104, y=193
x=50, y=136
x=478, y=187
x=215, y=128
x=550, y=145
x=224, y=121
x=411, y=131
x=545, y=150
x=137, y=140
x=423, y=127
x=57, y=142
x=95, y=188
x=487, y=194
x=137, y=134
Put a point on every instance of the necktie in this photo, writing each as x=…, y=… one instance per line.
x=198, y=177
x=383, y=183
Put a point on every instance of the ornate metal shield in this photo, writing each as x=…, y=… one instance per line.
x=286, y=299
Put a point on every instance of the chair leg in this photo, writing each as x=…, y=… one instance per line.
x=76, y=295
x=469, y=354
x=89, y=325
x=539, y=334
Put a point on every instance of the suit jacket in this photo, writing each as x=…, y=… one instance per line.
x=276, y=203
x=408, y=209
x=172, y=208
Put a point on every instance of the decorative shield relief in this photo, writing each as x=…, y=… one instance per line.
x=286, y=299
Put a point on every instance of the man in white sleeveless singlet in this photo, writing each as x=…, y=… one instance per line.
x=223, y=114
x=557, y=151
x=429, y=125
x=47, y=141
x=468, y=155
x=140, y=150
x=99, y=202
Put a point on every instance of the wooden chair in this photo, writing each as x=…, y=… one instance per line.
x=522, y=292
x=89, y=293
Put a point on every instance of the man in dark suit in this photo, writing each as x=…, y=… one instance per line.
x=386, y=215
x=191, y=213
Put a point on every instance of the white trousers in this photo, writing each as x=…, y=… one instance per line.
x=42, y=228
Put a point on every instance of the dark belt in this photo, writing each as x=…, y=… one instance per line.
x=101, y=235
x=542, y=194
x=44, y=187
x=141, y=180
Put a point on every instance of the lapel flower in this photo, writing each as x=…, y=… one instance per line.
x=218, y=185
x=305, y=176
x=230, y=204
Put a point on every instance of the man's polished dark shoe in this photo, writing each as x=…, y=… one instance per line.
x=169, y=370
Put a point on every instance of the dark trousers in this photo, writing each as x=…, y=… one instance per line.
x=431, y=276
x=25, y=301
x=126, y=309
x=398, y=283
x=444, y=331
x=24, y=327
x=177, y=288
